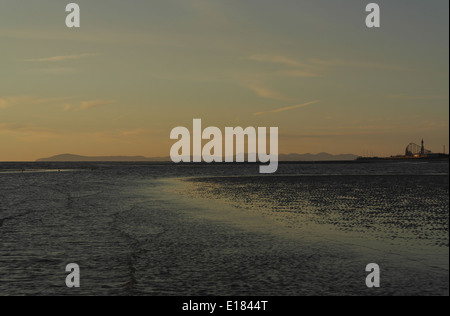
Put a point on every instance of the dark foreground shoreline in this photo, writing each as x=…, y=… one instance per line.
x=88, y=164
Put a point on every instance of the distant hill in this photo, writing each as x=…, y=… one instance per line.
x=282, y=157
x=77, y=158
x=316, y=157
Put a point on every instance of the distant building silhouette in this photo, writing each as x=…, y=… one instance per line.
x=412, y=151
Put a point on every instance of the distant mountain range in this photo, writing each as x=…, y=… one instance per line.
x=282, y=157
x=77, y=158
x=317, y=157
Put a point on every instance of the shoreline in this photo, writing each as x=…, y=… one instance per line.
x=431, y=263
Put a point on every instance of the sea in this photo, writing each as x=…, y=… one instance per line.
x=164, y=229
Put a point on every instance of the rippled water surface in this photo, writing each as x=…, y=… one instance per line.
x=163, y=229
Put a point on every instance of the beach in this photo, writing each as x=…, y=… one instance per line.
x=163, y=229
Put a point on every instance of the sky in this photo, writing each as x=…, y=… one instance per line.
x=136, y=69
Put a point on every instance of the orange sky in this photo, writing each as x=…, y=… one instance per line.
x=132, y=72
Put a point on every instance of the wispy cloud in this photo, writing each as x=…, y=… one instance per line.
x=289, y=67
x=136, y=132
x=123, y=135
x=434, y=126
x=209, y=9
x=354, y=63
x=337, y=134
x=85, y=105
x=30, y=132
x=6, y=102
x=61, y=58
x=55, y=71
x=288, y=108
x=27, y=131
x=275, y=59
x=265, y=92
x=67, y=103
x=419, y=97
x=315, y=67
x=298, y=73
